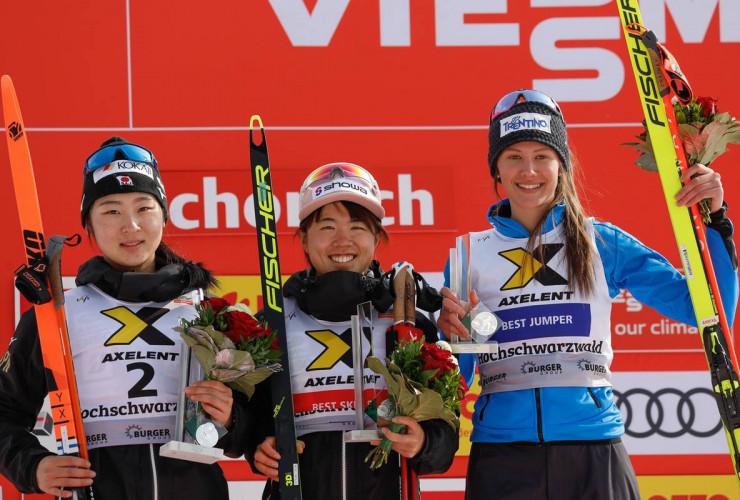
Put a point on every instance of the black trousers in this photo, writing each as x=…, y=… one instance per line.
x=573, y=470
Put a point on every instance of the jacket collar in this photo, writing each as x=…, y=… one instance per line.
x=499, y=216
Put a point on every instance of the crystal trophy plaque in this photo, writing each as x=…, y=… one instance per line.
x=480, y=321
x=365, y=429
x=195, y=434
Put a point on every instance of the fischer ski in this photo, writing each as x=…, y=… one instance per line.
x=658, y=80
x=50, y=316
x=282, y=392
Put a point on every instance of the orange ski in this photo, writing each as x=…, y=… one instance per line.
x=50, y=317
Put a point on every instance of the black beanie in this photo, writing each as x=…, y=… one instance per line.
x=122, y=176
x=528, y=121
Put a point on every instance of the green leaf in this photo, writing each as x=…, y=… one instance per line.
x=246, y=382
x=378, y=367
x=719, y=136
x=204, y=356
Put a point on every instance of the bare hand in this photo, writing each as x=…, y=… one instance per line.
x=707, y=184
x=409, y=444
x=55, y=472
x=215, y=397
x=453, y=309
x=266, y=457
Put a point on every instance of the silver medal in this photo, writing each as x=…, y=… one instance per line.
x=207, y=435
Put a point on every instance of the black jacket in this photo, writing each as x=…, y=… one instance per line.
x=334, y=297
x=123, y=472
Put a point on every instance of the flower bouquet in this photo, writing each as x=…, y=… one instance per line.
x=231, y=345
x=704, y=133
x=424, y=382
x=226, y=343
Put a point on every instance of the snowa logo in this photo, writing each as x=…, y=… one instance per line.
x=83, y=298
x=525, y=121
x=547, y=369
x=584, y=365
x=338, y=186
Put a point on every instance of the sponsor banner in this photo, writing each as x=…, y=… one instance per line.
x=688, y=487
x=669, y=413
x=638, y=327
x=466, y=417
x=571, y=49
x=220, y=202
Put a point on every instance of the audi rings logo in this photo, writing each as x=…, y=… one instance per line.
x=668, y=412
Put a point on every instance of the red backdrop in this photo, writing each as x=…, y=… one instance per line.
x=404, y=89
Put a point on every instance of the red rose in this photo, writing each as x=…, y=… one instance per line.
x=436, y=359
x=708, y=105
x=243, y=325
x=462, y=388
x=407, y=332
x=216, y=303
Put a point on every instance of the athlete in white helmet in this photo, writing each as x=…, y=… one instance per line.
x=341, y=226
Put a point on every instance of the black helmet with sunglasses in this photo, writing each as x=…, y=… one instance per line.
x=526, y=115
x=120, y=167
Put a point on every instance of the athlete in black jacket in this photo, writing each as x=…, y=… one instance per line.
x=126, y=354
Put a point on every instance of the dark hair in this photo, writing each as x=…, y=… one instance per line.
x=356, y=212
x=578, y=244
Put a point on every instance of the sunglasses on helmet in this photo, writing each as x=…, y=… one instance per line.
x=112, y=152
x=338, y=170
x=523, y=95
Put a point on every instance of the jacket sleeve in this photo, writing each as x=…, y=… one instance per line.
x=630, y=265
x=23, y=386
x=440, y=445
x=440, y=439
x=260, y=408
x=235, y=441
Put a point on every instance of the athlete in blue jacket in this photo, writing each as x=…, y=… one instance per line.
x=545, y=425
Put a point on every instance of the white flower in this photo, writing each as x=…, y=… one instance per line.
x=444, y=345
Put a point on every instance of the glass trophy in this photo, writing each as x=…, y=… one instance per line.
x=480, y=321
x=365, y=428
x=195, y=434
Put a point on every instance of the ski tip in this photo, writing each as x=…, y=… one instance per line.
x=253, y=119
x=260, y=128
x=6, y=80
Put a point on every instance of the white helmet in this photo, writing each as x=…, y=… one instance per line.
x=339, y=182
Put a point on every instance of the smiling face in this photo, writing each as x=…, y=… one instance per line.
x=529, y=173
x=127, y=228
x=336, y=241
